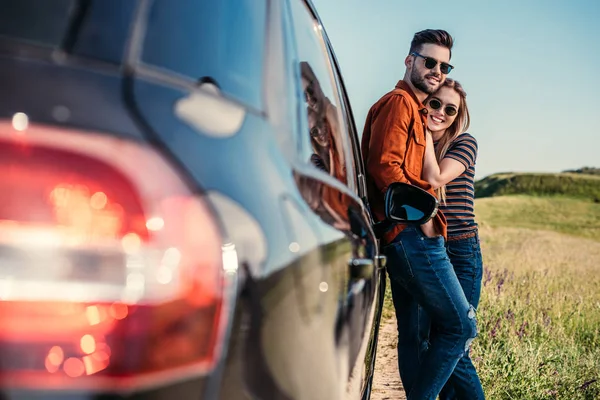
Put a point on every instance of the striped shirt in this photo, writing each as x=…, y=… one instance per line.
x=460, y=193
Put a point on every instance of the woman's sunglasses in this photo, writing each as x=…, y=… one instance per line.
x=436, y=105
x=430, y=63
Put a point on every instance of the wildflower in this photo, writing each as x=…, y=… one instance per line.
x=521, y=330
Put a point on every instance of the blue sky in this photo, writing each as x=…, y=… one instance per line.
x=531, y=69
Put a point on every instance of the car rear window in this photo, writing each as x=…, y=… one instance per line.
x=95, y=29
x=38, y=21
x=222, y=40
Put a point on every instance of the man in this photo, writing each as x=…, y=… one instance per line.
x=393, y=147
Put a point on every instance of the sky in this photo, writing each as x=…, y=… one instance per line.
x=531, y=70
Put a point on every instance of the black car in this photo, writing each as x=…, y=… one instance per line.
x=183, y=211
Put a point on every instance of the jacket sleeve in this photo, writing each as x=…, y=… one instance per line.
x=387, y=146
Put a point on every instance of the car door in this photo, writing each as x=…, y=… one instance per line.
x=328, y=174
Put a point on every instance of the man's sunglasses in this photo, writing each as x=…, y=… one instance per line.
x=448, y=110
x=430, y=63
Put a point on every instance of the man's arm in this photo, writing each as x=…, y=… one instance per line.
x=387, y=147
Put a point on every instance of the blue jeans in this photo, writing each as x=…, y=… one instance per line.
x=424, y=284
x=465, y=255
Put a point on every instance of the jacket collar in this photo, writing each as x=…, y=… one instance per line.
x=406, y=87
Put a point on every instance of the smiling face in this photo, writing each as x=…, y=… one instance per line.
x=425, y=79
x=438, y=119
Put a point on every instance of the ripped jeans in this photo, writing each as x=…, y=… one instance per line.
x=423, y=279
x=465, y=255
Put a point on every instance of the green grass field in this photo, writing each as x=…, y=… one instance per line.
x=559, y=214
x=539, y=316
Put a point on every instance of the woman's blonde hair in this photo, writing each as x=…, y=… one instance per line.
x=458, y=127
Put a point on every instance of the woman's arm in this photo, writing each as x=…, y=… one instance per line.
x=439, y=175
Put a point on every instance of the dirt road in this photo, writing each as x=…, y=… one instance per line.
x=386, y=382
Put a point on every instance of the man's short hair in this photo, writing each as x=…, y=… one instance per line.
x=431, y=36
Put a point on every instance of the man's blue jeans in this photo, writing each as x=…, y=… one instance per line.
x=421, y=275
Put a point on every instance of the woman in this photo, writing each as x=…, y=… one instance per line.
x=449, y=167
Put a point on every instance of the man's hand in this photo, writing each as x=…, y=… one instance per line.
x=428, y=229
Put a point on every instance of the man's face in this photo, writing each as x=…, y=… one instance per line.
x=425, y=79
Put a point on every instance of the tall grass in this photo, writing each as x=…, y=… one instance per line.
x=539, y=315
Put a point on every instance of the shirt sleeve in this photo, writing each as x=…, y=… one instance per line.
x=387, y=146
x=464, y=151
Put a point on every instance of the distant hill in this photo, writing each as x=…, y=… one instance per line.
x=585, y=170
x=573, y=184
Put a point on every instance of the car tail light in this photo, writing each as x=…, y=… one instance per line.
x=111, y=269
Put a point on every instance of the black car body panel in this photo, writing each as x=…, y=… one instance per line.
x=305, y=299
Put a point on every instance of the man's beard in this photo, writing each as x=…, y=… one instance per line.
x=419, y=83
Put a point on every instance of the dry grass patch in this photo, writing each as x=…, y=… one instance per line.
x=539, y=316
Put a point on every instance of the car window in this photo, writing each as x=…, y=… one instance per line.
x=355, y=160
x=220, y=40
x=323, y=141
x=39, y=22
x=96, y=29
x=105, y=30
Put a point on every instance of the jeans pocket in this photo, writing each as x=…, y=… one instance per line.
x=398, y=264
x=422, y=235
x=460, y=250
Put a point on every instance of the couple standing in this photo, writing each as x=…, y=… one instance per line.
x=416, y=134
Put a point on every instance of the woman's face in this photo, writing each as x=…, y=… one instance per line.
x=439, y=107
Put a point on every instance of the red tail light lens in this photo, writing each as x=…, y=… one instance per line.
x=110, y=268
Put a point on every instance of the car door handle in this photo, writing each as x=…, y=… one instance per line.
x=361, y=268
